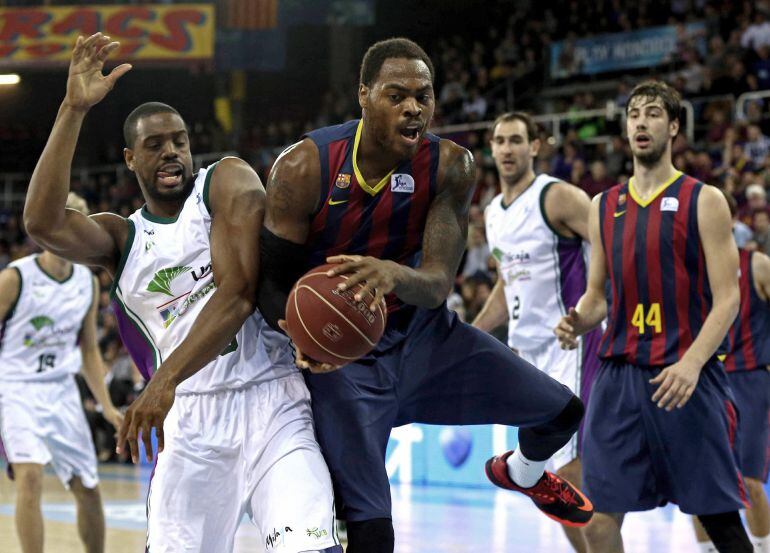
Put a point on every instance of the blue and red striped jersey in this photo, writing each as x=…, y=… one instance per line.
x=385, y=220
x=749, y=337
x=660, y=294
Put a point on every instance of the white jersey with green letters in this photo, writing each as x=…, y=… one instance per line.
x=39, y=338
x=162, y=284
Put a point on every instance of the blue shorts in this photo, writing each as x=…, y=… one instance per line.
x=430, y=368
x=637, y=456
x=752, y=396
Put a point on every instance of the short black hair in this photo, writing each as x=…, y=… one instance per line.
x=144, y=110
x=391, y=48
x=533, y=130
x=672, y=101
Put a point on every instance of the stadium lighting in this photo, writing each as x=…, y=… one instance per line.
x=9, y=79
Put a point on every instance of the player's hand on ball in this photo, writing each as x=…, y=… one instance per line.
x=86, y=85
x=148, y=411
x=304, y=362
x=378, y=276
x=568, y=329
x=676, y=383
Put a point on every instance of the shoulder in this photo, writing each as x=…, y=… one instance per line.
x=299, y=161
x=327, y=135
x=10, y=279
x=559, y=191
x=760, y=266
x=234, y=171
x=119, y=228
x=456, y=165
x=710, y=197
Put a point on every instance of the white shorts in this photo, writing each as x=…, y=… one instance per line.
x=44, y=422
x=251, y=450
x=566, y=366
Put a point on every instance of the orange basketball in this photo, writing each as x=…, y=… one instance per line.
x=329, y=325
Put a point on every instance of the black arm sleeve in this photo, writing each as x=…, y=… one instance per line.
x=281, y=264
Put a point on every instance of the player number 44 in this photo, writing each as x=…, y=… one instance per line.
x=651, y=320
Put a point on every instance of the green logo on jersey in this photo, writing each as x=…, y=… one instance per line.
x=162, y=280
x=44, y=332
x=40, y=321
x=497, y=253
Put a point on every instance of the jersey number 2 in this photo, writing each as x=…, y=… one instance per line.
x=652, y=319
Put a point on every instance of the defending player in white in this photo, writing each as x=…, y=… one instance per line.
x=537, y=230
x=238, y=433
x=48, y=307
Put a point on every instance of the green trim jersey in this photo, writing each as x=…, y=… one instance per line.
x=162, y=284
x=39, y=337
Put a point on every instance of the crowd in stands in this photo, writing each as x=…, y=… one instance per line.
x=474, y=74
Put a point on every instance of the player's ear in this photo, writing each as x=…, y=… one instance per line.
x=673, y=128
x=363, y=95
x=128, y=156
x=534, y=147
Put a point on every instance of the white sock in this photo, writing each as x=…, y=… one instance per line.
x=707, y=547
x=761, y=545
x=524, y=472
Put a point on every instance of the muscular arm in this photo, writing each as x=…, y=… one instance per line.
x=237, y=204
x=760, y=268
x=592, y=306
x=446, y=231
x=495, y=310
x=93, y=365
x=567, y=208
x=10, y=287
x=715, y=229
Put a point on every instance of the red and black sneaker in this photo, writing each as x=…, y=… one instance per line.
x=553, y=495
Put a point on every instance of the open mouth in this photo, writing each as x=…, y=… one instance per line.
x=410, y=134
x=643, y=140
x=170, y=175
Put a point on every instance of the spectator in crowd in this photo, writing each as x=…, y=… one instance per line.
x=756, y=200
x=757, y=146
x=762, y=230
x=477, y=253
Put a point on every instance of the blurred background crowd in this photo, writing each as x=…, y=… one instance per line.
x=542, y=57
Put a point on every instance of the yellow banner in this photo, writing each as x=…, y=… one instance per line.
x=145, y=32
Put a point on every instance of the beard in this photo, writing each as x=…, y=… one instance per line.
x=652, y=156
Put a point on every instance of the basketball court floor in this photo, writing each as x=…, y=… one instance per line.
x=427, y=520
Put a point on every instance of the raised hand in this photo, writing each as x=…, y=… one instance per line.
x=86, y=85
x=569, y=329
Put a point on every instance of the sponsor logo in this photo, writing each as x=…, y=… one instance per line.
x=202, y=272
x=619, y=213
x=511, y=258
x=669, y=204
x=162, y=280
x=332, y=332
x=343, y=181
x=317, y=533
x=401, y=182
x=277, y=537
x=337, y=202
x=44, y=332
x=150, y=232
x=522, y=274
x=163, y=283
x=198, y=198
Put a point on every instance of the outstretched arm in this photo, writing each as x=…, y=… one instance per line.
x=66, y=232
x=238, y=206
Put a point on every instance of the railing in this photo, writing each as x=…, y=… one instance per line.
x=745, y=98
x=553, y=122
x=14, y=185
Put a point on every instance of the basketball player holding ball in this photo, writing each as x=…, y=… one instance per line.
x=387, y=203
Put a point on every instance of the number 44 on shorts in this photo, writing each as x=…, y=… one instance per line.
x=651, y=320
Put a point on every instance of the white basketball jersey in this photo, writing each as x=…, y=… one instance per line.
x=544, y=273
x=162, y=284
x=39, y=339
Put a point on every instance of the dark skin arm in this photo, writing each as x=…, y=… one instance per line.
x=94, y=240
x=446, y=231
x=237, y=204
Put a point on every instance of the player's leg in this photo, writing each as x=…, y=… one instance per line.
x=194, y=500
x=603, y=533
x=289, y=489
x=29, y=516
x=726, y=532
x=354, y=410
x=90, y=516
x=758, y=515
x=452, y=373
x=702, y=537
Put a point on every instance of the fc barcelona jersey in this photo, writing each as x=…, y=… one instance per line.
x=660, y=294
x=749, y=337
x=385, y=219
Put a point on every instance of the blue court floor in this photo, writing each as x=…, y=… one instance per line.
x=427, y=520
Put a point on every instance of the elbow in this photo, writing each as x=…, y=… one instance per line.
x=36, y=227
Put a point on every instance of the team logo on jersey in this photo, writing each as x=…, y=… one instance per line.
x=511, y=258
x=181, y=300
x=621, y=198
x=343, y=181
x=162, y=280
x=317, y=532
x=401, y=182
x=669, y=204
x=44, y=333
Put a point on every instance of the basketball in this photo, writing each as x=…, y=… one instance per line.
x=329, y=325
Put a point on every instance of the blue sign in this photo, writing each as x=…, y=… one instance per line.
x=629, y=50
x=446, y=455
